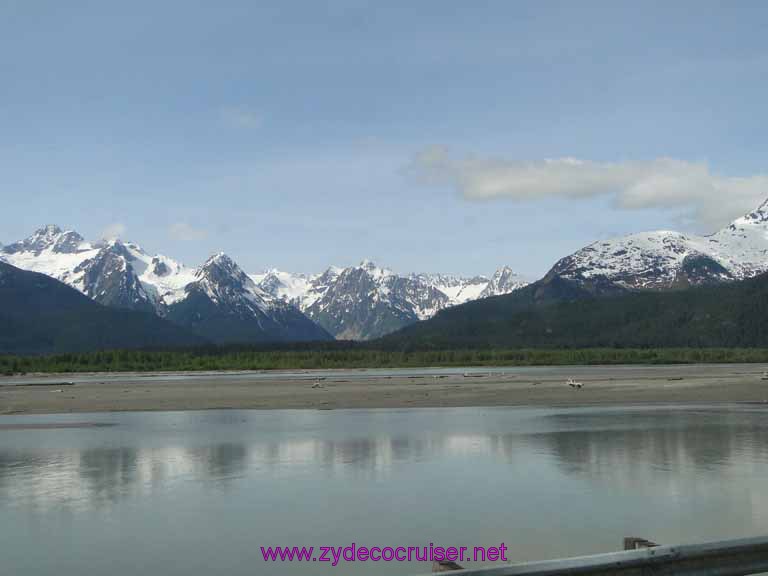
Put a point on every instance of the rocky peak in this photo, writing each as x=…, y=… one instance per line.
x=503, y=281
x=68, y=243
x=49, y=230
x=328, y=276
x=760, y=214
x=49, y=237
x=225, y=283
x=271, y=282
x=117, y=249
x=504, y=275
x=357, y=279
x=218, y=259
x=159, y=268
x=370, y=269
x=109, y=278
x=220, y=268
x=756, y=217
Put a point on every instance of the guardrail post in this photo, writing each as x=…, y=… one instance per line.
x=445, y=566
x=634, y=543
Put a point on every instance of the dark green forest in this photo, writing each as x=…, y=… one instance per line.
x=134, y=360
x=553, y=314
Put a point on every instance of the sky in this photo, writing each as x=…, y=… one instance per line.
x=434, y=136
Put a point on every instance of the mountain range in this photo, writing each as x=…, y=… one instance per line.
x=221, y=303
x=365, y=301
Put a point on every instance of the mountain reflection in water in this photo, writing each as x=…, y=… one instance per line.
x=551, y=482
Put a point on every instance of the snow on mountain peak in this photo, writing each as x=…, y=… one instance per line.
x=218, y=259
x=48, y=230
x=503, y=281
x=372, y=270
x=220, y=268
x=663, y=258
x=66, y=256
x=121, y=273
x=225, y=283
x=365, y=301
x=285, y=285
x=763, y=207
x=48, y=238
x=756, y=217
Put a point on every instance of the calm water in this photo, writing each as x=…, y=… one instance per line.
x=197, y=493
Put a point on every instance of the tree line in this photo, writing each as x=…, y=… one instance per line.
x=360, y=357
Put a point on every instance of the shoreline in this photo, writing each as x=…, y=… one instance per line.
x=342, y=389
x=739, y=367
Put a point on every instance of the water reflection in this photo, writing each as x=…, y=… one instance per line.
x=221, y=461
x=676, y=440
x=628, y=449
x=548, y=482
x=106, y=473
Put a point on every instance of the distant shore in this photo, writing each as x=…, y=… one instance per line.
x=340, y=355
x=541, y=386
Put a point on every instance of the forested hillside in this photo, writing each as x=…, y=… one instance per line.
x=726, y=315
x=40, y=315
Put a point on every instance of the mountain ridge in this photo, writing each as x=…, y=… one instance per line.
x=665, y=259
x=557, y=313
x=366, y=301
x=225, y=305
x=122, y=275
x=358, y=302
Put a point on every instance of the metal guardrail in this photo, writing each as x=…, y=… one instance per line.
x=724, y=558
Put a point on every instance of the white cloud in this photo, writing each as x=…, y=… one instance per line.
x=113, y=231
x=186, y=232
x=687, y=188
x=240, y=117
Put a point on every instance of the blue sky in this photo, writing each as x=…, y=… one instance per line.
x=428, y=136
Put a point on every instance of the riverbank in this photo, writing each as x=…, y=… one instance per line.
x=540, y=386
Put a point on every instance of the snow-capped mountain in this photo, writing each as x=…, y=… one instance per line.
x=358, y=302
x=224, y=304
x=366, y=301
x=458, y=289
x=217, y=301
x=503, y=281
x=111, y=272
x=665, y=259
x=110, y=278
